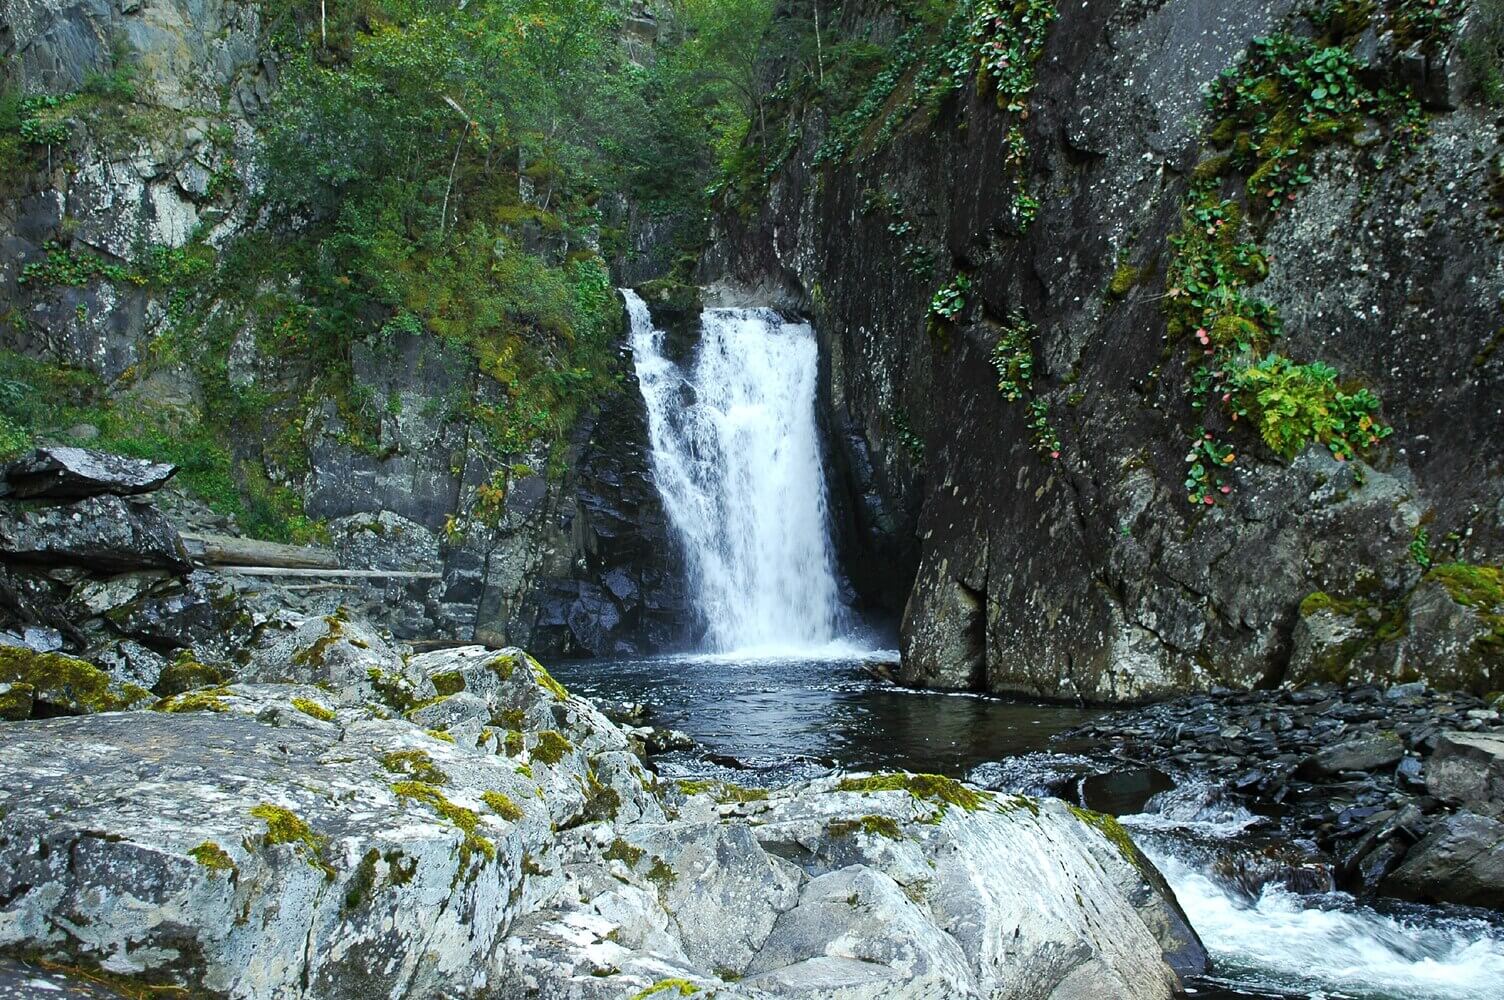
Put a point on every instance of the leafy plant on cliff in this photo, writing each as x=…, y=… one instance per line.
x=1046, y=441
x=1293, y=405
x=1013, y=357
x=1009, y=36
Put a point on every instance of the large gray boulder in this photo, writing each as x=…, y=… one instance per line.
x=103, y=533
x=1468, y=769
x=75, y=473
x=302, y=840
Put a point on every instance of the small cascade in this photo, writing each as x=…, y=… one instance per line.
x=736, y=455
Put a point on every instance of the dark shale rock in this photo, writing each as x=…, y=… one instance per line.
x=1367, y=753
x=74, y=473
x=1099, y=581
x=1460, y=861
x=103, y=533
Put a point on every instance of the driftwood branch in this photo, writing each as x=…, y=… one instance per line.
x=225, y=550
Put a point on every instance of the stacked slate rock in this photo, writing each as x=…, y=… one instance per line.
x=100, y=604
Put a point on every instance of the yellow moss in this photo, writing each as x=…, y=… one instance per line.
x=283, y=826
x=65, y=682
x=547, y=682
x=503, y=666
x=502, y=805
x=467, y=821
x=1111, y=829
x=314, y=709
x=214, y=858
x=552, y=747
x=934, y=788
x=683, y=987
x=315, y=654
x=440, y=735
x=16, y=703
x=207, y=700
x=415, y=764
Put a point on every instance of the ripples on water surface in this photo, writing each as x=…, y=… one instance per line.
x=785, y=716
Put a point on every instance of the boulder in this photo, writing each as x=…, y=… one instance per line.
x=348, y=656
x=1363, y=753
x=103, y=533
x=75, y=473
x=1468, y=769
x=303, y=841
x=1460, y=861
x=45, y=684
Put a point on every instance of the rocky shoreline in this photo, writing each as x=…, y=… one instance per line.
x=1397, y=792
x=228, y=803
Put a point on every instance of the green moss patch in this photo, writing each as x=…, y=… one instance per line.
x=451, y=682
x=875, y=826
x=185, y=674
x=64, y=683
x=620, y=850
x=661, y=875
x=1470, y=585
x=283, y=826
x=214, y=858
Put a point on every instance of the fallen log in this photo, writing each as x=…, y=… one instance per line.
x=226, y=550
x=354, y=574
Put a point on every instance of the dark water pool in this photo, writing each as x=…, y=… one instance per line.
x=785, y=718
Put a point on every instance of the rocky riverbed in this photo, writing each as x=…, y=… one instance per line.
x=1398, y=792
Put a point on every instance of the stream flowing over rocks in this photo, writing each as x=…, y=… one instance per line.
x=1398, y=793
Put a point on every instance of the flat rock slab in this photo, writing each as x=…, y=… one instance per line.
x=1468, y=768
x=75, y=473
x=104, y=533
x=1366, y=753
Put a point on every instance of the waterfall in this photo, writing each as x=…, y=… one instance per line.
x=736, y=455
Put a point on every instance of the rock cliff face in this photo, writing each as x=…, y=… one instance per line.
x=1057, y=554
x=150, y=169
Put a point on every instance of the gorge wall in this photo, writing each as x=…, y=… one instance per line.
x=136, y=191
x=944, y=243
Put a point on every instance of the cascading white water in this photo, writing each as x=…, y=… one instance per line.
x=1332, y=946
x=736, y=454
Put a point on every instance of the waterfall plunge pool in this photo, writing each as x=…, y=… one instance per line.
x=735, y=454
x=771, y=720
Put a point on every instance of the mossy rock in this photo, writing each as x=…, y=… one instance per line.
x=61, y=685
x=675, y=308
x=185, y=674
